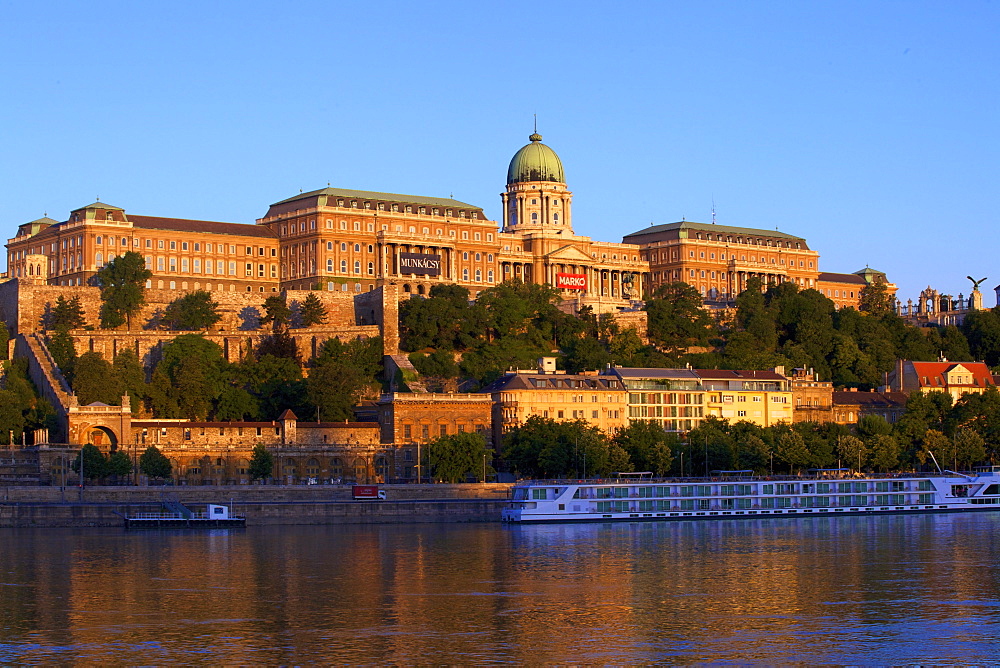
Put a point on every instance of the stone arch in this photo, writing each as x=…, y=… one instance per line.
x=103, y=437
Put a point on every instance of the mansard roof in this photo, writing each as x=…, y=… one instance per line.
x=685, y=228
x=204, y=226
x=329, y=197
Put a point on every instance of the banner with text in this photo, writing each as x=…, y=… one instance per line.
x=417, y=263
x=571, y=281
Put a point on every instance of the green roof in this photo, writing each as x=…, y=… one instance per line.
x=385, y=197
x=99, y=205
x=535, y=162
x=716, y=229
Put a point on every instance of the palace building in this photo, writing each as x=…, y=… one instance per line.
x=719, y=260
x=356, y=241
x=352, y=241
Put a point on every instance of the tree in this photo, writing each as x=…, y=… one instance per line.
x=970, y=449
x=936, y=447
x=4, y=340
x=982, y=329
x=94, y=381
x=63, y=352
x=342, y=374
x=261, y=463
x=123, y=289
x=130, y=377
x=154, y=464
x=884, y=452
x=67, y=313
x=189, y=378
x=456, y=457
x=119, y=464
x=276, y=313
x=311, y=311
x=875, y=299
x=543, y=447
x=790, y=448
x=279, y=343
x=676, y=319
x=852, y=451
x=648, y=446
x=95, y=464
x=194, y=311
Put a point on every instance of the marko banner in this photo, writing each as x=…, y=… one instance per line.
x=571, y=281
x=416, y=263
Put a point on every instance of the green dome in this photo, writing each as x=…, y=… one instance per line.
x=535, y=162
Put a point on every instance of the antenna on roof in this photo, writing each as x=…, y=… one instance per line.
x=713, y=209
x=536, y=123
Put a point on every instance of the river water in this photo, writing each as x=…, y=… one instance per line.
x=891, y=589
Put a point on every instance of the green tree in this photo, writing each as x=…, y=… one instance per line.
x=67, y=313
x=4, y=340
x=311, y=311
x=852, y=451
x=648, y=446
x=94, y=381
x=261, y=463
x=63, y=352
x=130, y=377
x=445, y=320
x=936, y=447
x=676, y=319
x=543, y=447
x=970, y=449
x=982, y=329
x=194, y=311
x=875, y=299
x=119, y=465
x=189, y=379
x=95, y=464
x=456, y=457
x=790, y=447
x=884, y=452
x=123, y=289
x=154, y=464
x=276, y=313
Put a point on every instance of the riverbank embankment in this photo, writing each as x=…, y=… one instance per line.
x=260, y=504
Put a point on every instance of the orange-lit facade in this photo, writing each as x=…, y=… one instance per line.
x=719, y=260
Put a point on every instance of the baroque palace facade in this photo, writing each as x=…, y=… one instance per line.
x=352, y=241
x=356, y=241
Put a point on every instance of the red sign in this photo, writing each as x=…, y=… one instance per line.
x=571, y=281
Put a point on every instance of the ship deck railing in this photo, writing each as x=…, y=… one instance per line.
x=752, y=478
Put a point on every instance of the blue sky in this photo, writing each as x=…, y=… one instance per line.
x=869, y=128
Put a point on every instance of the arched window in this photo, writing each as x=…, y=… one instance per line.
x=99, y=259
x=343, y=266
x=357, y=267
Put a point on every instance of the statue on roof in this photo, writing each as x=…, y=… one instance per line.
x=975, y=283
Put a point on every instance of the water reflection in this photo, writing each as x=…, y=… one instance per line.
x=833, y=590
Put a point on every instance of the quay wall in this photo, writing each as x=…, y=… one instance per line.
x=262, y=505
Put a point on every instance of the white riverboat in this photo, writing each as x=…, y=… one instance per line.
x=741, y=495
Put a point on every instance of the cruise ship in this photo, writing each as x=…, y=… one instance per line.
x=739, y=494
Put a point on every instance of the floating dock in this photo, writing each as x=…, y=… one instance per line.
x=177, y=516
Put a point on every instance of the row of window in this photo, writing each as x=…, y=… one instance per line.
x=300, y=227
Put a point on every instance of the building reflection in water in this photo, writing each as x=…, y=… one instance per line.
x=824, y=589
